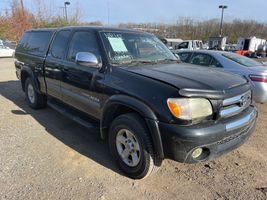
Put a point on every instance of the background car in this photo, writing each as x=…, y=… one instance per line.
x=8, y=43
x=255, y=72
x=6, y=52
x=230, y=47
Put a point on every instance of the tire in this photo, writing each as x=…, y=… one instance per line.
x=128, y=133
x=34, y=99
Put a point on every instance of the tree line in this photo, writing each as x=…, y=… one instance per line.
x=188, y=28
x=19, y=19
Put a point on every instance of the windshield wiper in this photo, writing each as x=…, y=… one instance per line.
x=152, y=62
x=136, y=62
x=167, y=60
x=143, y=62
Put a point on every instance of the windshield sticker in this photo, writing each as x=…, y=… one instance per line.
x=117, y=44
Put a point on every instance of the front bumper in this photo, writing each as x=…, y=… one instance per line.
x=216, y=138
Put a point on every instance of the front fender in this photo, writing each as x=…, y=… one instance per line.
x=131, y=102
x=138, y=106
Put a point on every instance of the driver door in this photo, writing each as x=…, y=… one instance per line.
x=81, y=85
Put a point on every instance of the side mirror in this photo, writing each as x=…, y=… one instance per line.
x=87, y=59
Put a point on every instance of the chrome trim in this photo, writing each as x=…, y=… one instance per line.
x=87, y=59
x=236, y=99
x=241, y=122
x=230, y=111
x=235, y=105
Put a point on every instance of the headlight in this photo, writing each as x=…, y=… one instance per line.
x=189, y=108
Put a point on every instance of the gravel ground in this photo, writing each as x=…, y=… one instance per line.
x=261, y=59
x=43, y=155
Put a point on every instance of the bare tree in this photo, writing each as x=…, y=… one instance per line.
x=12, y=25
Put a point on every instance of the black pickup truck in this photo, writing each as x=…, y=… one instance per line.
x=127, y=86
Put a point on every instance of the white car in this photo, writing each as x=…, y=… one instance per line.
x=6, y=52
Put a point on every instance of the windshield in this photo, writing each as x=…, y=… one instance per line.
x=242, y=60
x=128, y=48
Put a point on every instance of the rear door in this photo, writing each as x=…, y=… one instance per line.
x=81, y=85
x=53, y=63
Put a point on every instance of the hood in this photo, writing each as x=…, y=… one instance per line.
x=189, y=76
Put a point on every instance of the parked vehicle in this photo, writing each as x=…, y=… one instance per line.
x=188, y=45
x=217, y=43
x=230, y=47
x=262, y=51
x=127, y=85
x=171, y=42
x=255, y=72
x=8, y=43
x=251, y=44
x=251, y=47
x=6, y=52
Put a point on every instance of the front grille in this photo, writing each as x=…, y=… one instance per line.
x=235, y=105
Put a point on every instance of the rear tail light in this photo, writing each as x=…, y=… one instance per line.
x=258, y=78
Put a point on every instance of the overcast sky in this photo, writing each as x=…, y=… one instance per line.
x=155, y=10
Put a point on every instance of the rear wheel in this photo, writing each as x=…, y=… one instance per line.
x=131, y=146
x=34, y=99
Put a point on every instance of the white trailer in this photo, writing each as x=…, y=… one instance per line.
x=252, y=44
x=217, y=43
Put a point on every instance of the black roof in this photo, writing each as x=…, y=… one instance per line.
x=42, y=29
x=96, y=28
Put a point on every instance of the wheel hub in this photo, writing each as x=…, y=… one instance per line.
x=128, y=147
x=31, y=95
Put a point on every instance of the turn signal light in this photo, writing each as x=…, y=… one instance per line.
x=174, y=108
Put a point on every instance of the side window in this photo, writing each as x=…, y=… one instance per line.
x=38, y=42
x=215, y=63
x=59, y=44
x=184, y=57
x=201, y=59
x=83, y=42
x=23, y=43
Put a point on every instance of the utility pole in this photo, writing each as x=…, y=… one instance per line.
x=67, y=3
x=221, y=25
x=108, y=9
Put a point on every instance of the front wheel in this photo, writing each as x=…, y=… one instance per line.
x=131, y=146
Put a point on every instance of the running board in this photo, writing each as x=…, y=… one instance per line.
x=74, y=115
